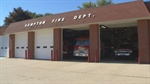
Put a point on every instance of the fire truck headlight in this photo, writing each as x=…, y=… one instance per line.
x=115, y=51
x=130, y=51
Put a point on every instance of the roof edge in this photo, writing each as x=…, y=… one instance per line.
x=80, y=10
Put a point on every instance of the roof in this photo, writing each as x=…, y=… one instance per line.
x=148, y=5
x=129, y=10
x=2, y=29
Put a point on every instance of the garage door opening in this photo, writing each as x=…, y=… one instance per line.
x=119, y=44
x=4, y=48
x=43, y=44
x=20, y=44
x=75, y=45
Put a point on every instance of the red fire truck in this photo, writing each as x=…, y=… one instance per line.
x=81, y=47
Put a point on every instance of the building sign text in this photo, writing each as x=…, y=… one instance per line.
x=82, y=16
x=58, y=20
x=61, y=19
x=35, y=23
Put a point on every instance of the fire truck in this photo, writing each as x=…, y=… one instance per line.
x=75, y=43
x=81, y=47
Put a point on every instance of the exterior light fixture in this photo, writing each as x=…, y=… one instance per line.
x=103, y=26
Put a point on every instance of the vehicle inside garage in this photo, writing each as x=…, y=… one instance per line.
x=75, y=44
x=116, y=44
x=119, y=43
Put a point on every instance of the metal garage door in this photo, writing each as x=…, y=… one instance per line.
x=43, y=43
x=1, y=46
x=4, y=45
x=20, y=44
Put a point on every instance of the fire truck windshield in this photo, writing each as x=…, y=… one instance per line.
x=82, y=42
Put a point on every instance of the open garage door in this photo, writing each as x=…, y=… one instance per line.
x=43, y=43
x=119, y=44
x=4, y=46
x=20, y=44
x=75, y=44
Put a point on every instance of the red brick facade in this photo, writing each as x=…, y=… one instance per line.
x=57, y=44
x=11, y=45
x=31, y=44
x=94, y=43
x=144, y=41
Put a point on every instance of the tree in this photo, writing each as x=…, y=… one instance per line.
x=18, y=14
x=87, y=5
x=95, y=4
x=34, y=15
x=104, y=2
x=46, y=14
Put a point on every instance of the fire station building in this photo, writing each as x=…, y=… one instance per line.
x=43, y=38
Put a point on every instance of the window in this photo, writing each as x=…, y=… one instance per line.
x=78, y=43
x=82, y=42
x=51, y=46
x=37, y=46
x=44, y=46
x=86, y=42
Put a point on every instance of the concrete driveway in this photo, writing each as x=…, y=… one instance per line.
x=21, y=71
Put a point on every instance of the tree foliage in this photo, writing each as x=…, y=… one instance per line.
x=104, y=2
x=18, y=14
x=95, y=4
x=87, y=5
x=46, y=14
x=34, y=15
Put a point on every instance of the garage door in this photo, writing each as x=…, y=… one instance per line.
x=4, y=45
x=20, y=44
x=0, y=45
x=43, y=43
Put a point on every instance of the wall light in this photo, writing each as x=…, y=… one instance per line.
x=103, y=26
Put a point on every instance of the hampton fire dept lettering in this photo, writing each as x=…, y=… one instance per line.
x=58, y=20
x=82, y=16
x=35, y=23
x=76, y=17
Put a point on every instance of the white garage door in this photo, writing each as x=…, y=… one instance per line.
x=4, y=45
x=43, y=43
x=20, y=44
x=1, y=48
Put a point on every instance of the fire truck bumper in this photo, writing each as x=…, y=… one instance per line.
x=81, y=54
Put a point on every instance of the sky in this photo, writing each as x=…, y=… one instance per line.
x=43, y=6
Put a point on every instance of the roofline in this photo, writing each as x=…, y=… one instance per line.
x=80, y=10
x=121, y=11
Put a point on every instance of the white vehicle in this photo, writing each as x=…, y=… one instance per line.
x=124, y=50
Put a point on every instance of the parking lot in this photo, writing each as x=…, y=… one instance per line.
x=21, y=71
